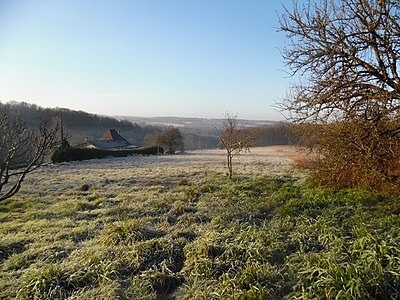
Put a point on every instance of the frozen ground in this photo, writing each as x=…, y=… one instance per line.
x=274, y=159
x=120, y=173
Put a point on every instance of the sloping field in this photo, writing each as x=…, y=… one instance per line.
x=175, y=227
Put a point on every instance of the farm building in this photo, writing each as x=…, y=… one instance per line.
x=110, y=139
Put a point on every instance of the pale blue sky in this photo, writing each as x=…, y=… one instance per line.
x=187, y=58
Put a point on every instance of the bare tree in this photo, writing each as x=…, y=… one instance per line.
x=21, y=150
x=234, y=138
x=347, y=52
x=172, y=140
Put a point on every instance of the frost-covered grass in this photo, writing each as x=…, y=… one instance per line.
x=175, y=227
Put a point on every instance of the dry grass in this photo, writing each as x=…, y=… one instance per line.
x=118, y=173
x=175, y=227
x=95, y=206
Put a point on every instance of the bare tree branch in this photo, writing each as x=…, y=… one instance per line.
x=21, y=150
x=234, y=138
x=344, y=48
x=347, y=53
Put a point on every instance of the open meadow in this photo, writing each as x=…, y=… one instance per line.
x=176, y=227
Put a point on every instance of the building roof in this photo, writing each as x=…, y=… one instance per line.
x=112, y=135
x=110, y=139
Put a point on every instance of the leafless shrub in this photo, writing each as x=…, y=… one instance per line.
x=348, y=53
x=22, y=150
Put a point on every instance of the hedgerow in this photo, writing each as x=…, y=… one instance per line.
x=74, y=154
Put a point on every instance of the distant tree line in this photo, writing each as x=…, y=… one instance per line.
x=80, y=125
x=201, y=141
x=279, y=133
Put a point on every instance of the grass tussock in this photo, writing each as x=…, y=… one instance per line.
x=168, y=231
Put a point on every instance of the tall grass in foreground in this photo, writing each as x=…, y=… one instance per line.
x=254, y=237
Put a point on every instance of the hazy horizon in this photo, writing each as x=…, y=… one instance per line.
x=128, y=117
x=145, y=59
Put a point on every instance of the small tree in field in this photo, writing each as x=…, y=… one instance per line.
x=234, y=138
x=21, y=150
x=172, y=140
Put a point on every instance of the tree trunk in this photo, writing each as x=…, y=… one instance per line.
x=229, y=158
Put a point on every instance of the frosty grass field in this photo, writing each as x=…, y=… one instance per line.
x=175, y=227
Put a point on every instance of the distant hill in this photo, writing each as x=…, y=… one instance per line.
x=198, y=133
x=196, y=125
x=80, y=125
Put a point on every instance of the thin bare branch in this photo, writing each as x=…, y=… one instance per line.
x=22, y=150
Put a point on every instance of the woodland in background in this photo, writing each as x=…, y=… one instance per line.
x=79, y=125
